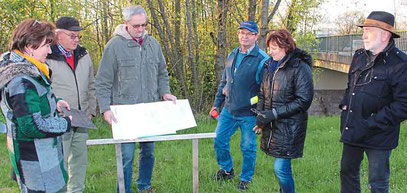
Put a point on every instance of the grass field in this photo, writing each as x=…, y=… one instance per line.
x=317, y=171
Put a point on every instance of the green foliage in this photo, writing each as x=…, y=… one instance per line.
x=101, y=17
x=316, y=172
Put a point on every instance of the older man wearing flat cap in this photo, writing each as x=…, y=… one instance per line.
x=72, y=80
x=374, y=104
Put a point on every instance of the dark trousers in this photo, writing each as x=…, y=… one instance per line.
x=379, y=169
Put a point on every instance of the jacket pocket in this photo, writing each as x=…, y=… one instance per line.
x=377, y=87
x=344, y=113
x=376, y=94
x=127, y=77
x=128, y=69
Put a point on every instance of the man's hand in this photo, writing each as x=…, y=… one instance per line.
x=109, y=117
x=170, y=97
x=257, y=129
x=62, y=103
x=214, y=112
x=265, y=117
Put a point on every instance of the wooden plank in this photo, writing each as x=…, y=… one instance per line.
x=147, y=139
x=195, y=170
x=119, y=166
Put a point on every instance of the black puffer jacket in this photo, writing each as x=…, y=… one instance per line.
x=289, y=90
x=376, y=99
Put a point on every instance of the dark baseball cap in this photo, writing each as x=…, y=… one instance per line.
x=249, y=25
x=68, y=23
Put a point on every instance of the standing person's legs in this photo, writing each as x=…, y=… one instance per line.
x=282, y=169
x=379, y=170
x=352, y=157
x=248, y=147
x=225, y=129
x=145, y=165
x=78, y=161
x=128, y=158
x=66, y=149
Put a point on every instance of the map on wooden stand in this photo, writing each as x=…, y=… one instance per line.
x=151, y=119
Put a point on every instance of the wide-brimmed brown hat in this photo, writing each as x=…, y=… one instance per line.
x=382, y=20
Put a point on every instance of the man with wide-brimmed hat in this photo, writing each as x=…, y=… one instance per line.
x=374, y=104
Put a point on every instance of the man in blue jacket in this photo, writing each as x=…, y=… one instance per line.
x=373, y=106
x=240, y=82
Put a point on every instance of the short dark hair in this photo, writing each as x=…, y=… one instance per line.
x=31, y=32
x=283, y=39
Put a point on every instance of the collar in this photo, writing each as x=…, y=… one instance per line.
x=137, y=39
x=248, y=50
x=17, y=56
x=63, y=51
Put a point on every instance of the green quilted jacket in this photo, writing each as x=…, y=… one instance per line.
x=33, y=127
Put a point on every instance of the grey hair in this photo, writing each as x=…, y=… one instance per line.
x=129, y=11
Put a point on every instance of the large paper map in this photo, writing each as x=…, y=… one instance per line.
x=149, y=119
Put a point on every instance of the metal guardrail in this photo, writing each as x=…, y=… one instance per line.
x=346, y=45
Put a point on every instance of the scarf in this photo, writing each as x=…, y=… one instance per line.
x=41, y=66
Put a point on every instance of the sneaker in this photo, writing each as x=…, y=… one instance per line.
x=223, y=175
x=148, y=190
x=243, y=185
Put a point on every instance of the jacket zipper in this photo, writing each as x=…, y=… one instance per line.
x=76, y=83
x=271, y=104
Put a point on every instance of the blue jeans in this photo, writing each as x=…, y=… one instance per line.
x=227, y=125
x=282, y=169
x=379, y=169
x=145, y=165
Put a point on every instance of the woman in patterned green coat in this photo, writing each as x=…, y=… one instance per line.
x=30, y=108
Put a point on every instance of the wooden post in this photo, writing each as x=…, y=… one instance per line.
x=195, y=180
x=119, y=162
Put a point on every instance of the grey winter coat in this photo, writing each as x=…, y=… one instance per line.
x=75, y=87
x=130, y=73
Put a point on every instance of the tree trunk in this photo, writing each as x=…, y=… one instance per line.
x=251, y=11
x=179, y=65
x=290, y=23
x=164, y=40
x=194, y=71
x=105, y=27
x=222, y=8
x=52, y=11
x=265, y=20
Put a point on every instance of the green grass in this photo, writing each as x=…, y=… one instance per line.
x=317, y=171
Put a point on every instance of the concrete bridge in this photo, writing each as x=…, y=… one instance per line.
x=334, y=55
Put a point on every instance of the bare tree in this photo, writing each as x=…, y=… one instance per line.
x=347, y=22
x=194, y=69
x=265, y=18
x=222, y=7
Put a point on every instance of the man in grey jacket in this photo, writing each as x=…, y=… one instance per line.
x=72, y=80
x=133, y=70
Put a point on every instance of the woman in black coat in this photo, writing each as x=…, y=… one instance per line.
x=285, y=95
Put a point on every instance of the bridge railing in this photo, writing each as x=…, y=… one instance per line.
x=346, y=45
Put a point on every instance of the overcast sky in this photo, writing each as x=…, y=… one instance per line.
x=333, y=8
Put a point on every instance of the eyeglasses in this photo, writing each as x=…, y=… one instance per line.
x=246, y=33
x=72, y=36
x=35, y=23
x=139, y=25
